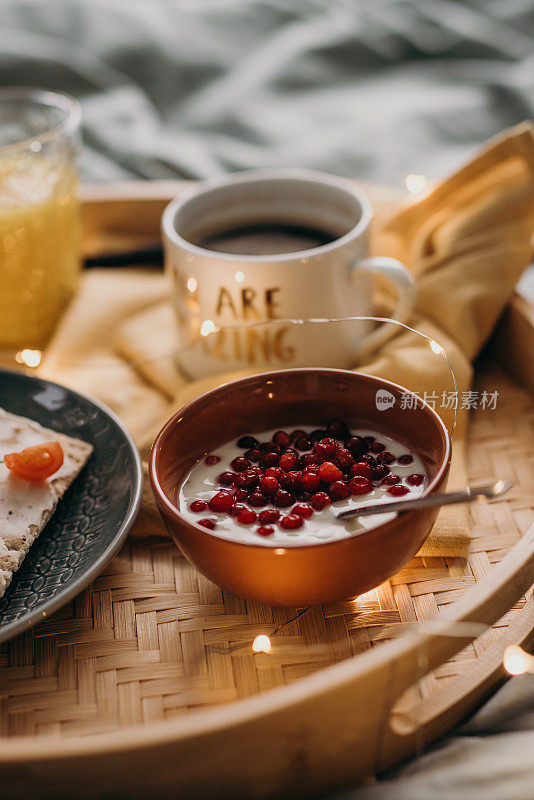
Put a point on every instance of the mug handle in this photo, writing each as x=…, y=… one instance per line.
x=404, y=282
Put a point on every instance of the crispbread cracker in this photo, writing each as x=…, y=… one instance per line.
x=26, y=507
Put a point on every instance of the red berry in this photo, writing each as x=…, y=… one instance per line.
x=270, y=447
x=282, y=499
x=338, y=429
x=269, y=485
x=298, y=434
x=317, y=435
x=226, y=478
x=376, y=447
x=329, y=473
x=198, y=505
x=369, y=459
x=257, y=499
x=405, y=459
x=416, y=479
x=357, y=446
x=265, y=530
x=310, y=481
x=292, y=481
x=282, y=439
x=308, y=459
x=319, y=500
x=327, y=446
x=240, y=464
x=369, y=439
x=269, y=515
x=386, y=457
x=339, y=490
x=343, y=458
x=273, y=472
x=254, y=455
x=210, y=460
x=288, y=461
x=314, y=468
x=240, y=494
x=363, y=469
x=291, y=522
x=389, y=480
x=360, y=485
x=208, y=523
x=247, y=516
x=303, y=510
x=247, y=441
x=270, y=460
x=303, y=443
x=246, y=479
x=380, y=471
x=398, y=490
x=235, y=509
x=221, y=501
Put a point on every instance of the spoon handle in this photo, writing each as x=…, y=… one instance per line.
x=466, y=495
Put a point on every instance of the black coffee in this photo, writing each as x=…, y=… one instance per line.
x=266, y=239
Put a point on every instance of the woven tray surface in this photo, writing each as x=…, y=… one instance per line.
x=152, y=639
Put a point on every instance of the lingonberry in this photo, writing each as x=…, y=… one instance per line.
x=363, y=469
x=240, y=464
x=376, y=447
x=282, y=438
x=254, y=455
x=390, y=480
x=338, y=429
x=386, y=457
x=226, y=478
x=369, y=439
x=236, y=509
x=240, y=494
x=269, y=515
x=368, y=458
x=380, y=471
x=357, y=446
x=416, y=479
x=327, y=447
x=270, y=460
x=405, y=459
x=314, y=468
x=338, y=490
x=221, y=501
x=269, y=485
x=288, y=460
x=291, y=522
x=398, y=490
x=307, y=459
x=343, y=458
x=317, y=435
x=270, y=447
x=319, y=500
x=303, y=443
x=298, y=434
x=328, y=472
x=211, y=460
x=246, y=442
x=360, y=485
x=292, y=481
x=282, y=499
x=198, y=505
x=246, y=480
x=208, y=523
x=310, y=482
x=273, y=472
x=246, y=516
x=257, y=499
x=303, y=510
x=265, y=530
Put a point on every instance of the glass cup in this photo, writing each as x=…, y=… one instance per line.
x=39, y=217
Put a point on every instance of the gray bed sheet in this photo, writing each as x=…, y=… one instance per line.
x=373, y=89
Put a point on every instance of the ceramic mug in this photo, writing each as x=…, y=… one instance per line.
x=275, y=245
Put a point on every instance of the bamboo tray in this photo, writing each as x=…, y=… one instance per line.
x=147, y=682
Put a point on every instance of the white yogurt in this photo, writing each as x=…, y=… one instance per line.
x=201, y=484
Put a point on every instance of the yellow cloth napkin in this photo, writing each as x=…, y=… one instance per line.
x=467, y=242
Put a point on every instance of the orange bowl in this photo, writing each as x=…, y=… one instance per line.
x=309, y=574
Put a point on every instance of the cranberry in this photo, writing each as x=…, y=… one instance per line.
x=389, y=480
x=339, y=490
x=405, y=459
x=386, y=457
x=265, y=530
x=254, y=455
x=273, y=472
x=291, y=522
x=307, y=459
x=282, y=499
x=292, y=481
x=240, y=464
x=398, y=489
x=270, y=459
x=363, y=469
x=303, y=510
x=269, y=485
x=317, y=435
x=288, y=461
x=319, y=500
x=226, y=478
x=208, y=523
x=269, y=515
x=343, y=458
x=329, y=473
x=247, y=441
x=240, y=494
x=327, y=447
x=257, y=499
x=282, y=439
x=313, y=468
x=247, y=516
x=298, y=434
x=357, y=446
x=303, y=443
x=416, y=479
x=236, y=509
x=338, y=429
x=380, y=471
x=211, y=460
x=221, y=501
x=246, y=480
x=376, y=447
x=310, y=482
x=198, y=505
x=360, y=485
x=368, y=458
x=270, y=447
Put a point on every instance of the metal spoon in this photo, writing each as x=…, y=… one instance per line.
x=466, y=495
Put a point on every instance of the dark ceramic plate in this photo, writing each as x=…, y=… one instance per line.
x=93, y=517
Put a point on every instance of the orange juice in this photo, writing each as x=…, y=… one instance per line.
x=39, y=246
